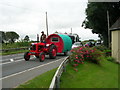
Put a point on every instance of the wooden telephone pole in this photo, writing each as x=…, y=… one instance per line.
x=71, y=30
x=46, y=24
x=108, y=22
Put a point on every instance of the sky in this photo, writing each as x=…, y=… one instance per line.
x=28, y=17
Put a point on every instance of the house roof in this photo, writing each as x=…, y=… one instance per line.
x=116, y=25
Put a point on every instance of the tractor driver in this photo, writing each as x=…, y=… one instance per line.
x=43, y=37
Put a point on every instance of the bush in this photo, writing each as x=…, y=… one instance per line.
x=101, y=48
x=107, y=52
x=81, y=54
x=110, y=59
x=104, y=49
x=23, y=44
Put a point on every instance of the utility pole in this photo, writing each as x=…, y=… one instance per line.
x=37, y=37
x=71, y=30
x=108, y=22
x=46, y=24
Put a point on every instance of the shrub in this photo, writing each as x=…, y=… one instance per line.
x=110, y=59
x=104, y=49
x=23, y=44
x=81, y=54
x=107, y=52
x=101, y=48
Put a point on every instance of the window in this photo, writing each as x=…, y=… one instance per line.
x=55, y=39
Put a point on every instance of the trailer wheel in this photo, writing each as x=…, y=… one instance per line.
x=42, y=56
x=26, y=56
x=52, y=51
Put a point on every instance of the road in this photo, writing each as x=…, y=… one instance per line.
x=15, y=70
x=7, y=58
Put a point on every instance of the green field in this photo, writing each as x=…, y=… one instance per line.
x=91, y=75
x=14, y=45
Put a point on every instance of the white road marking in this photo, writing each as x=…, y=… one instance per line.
x=14, y=61
x=30, y=69
x=11, y=60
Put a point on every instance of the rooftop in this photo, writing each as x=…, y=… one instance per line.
x=116, y=25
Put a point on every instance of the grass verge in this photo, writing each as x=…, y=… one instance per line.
x=91, y=75
x=41, y=81
x=14, y=52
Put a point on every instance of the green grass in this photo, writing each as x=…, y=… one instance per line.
x=15, y=45
x=41, y=81
x=91, y=75
x=13, y=52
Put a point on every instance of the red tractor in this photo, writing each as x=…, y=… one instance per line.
x=55, y=43
x=39, y=50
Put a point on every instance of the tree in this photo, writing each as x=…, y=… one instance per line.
x=97, y=17
x=2, y=37
x=11, y=36
x=26, y=38
x=56, y=32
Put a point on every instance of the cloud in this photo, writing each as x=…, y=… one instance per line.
x=27, y=17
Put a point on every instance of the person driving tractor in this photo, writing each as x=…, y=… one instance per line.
x=43, y=37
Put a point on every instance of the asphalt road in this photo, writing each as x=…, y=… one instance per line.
x=7, y=58
x=17, y=71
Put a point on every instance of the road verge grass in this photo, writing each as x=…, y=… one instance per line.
x=13, y=52
x=41, y=81
x=90, y=75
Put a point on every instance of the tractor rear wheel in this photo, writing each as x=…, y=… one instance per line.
x=26, y=56
x=52, y=51
x=42, y=56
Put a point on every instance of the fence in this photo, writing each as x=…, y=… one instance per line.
x=55, y=84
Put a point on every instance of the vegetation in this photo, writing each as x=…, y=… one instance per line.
x=90, y=75
x=81, y=54
x=2, y=36
x=13, y=52
x=15, y=45
x=11, y=36
x=97, y=17
x=41, y=81
x=26, y=38
x=11, y=46
x=90, y=68
x=110, y=59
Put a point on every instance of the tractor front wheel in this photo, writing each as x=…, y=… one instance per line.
x=42, y=56
x=26, y=56
x=52, y=51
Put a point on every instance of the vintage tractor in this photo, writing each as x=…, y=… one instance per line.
x=55, y=43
